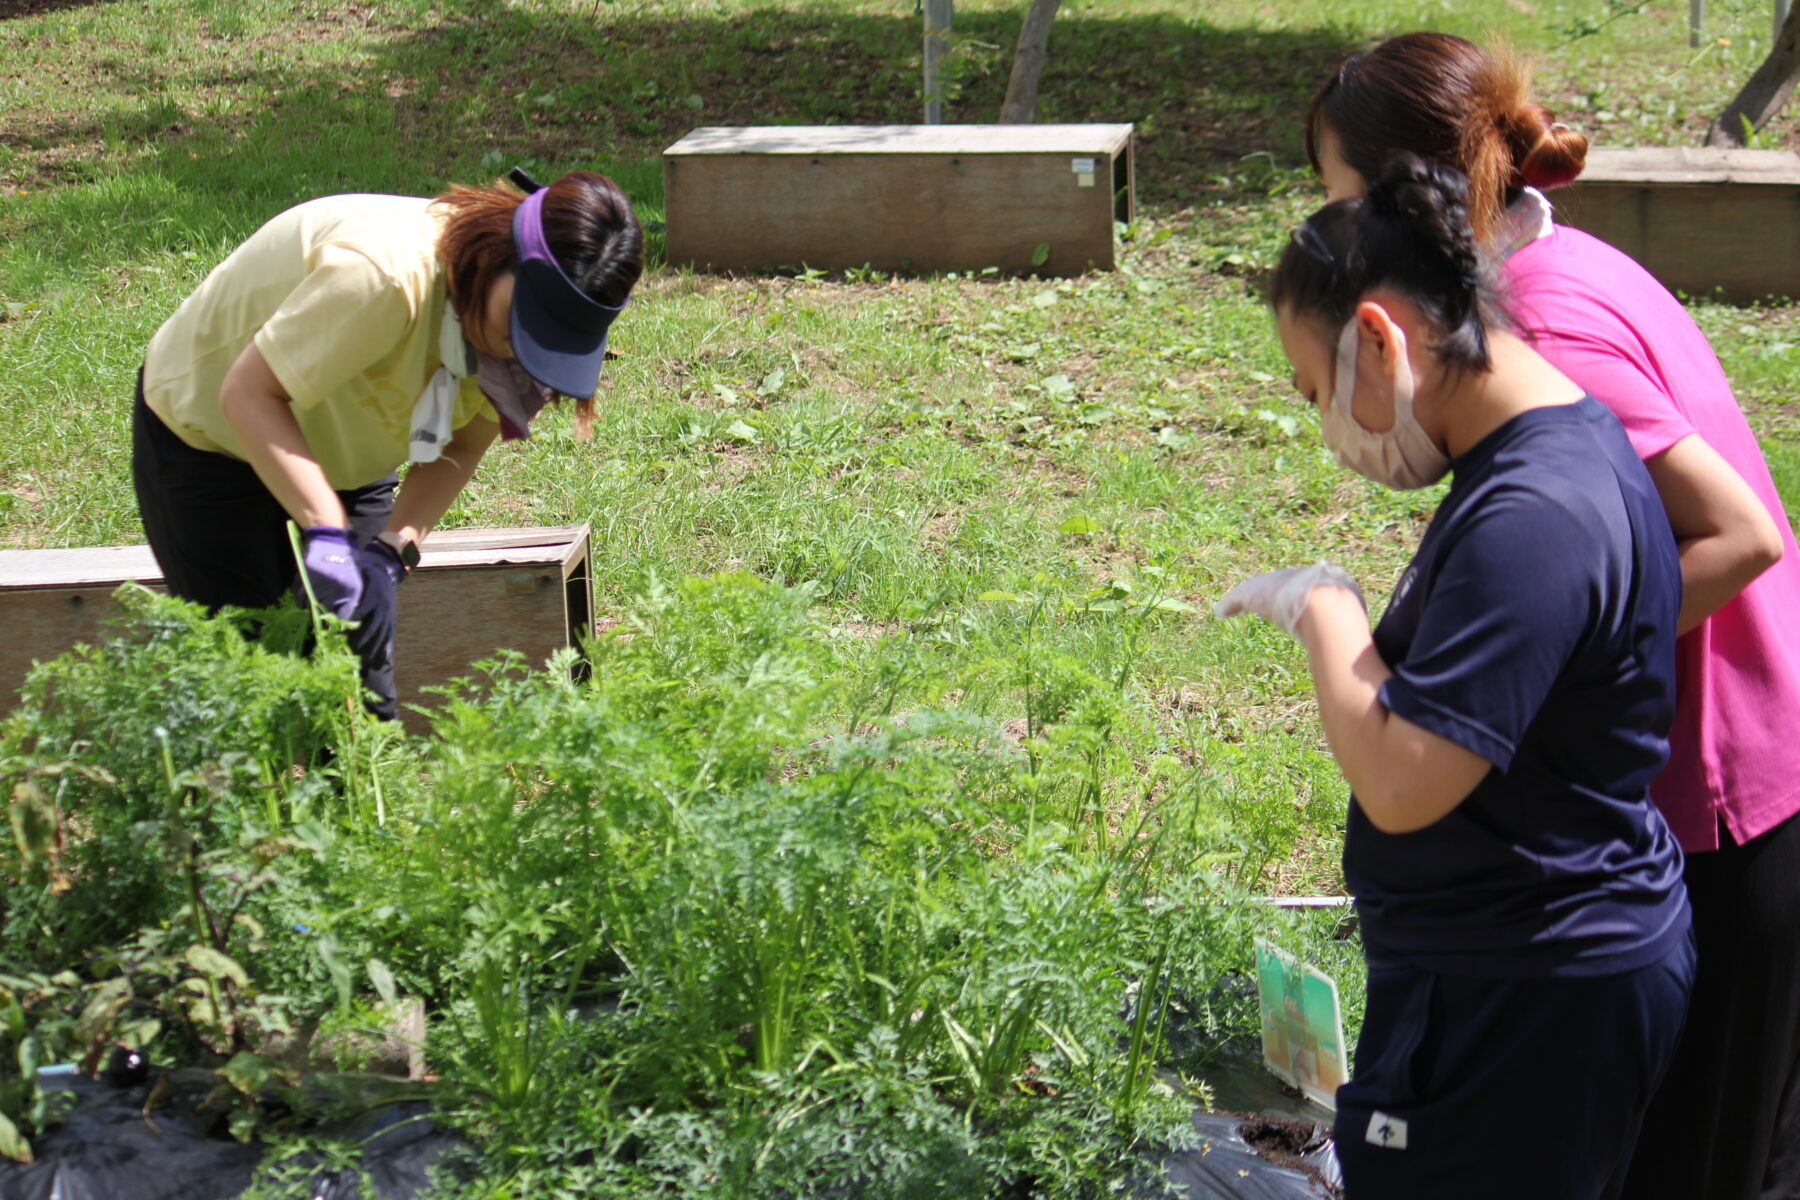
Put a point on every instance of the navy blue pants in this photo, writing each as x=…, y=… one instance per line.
x=1506, y=1088
x=1726, y=1123
x=220, y=538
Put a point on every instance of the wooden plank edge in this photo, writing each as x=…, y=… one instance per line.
x=1306, y=901
x=117, y=565
x=1685, y=179
x=502, y=538
x=714, y=141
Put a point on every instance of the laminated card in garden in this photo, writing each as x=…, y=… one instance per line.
x=1302, y=1024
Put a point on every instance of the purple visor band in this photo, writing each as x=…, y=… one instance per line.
x=558, y=331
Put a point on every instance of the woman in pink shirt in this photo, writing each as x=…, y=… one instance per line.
x=1726, y=1123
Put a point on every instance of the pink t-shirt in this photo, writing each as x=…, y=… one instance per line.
x=1734, y=751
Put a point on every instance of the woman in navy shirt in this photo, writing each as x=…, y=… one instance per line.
x=1521, y=900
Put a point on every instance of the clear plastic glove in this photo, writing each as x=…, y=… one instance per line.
x=1280, y=596
x=331, y=569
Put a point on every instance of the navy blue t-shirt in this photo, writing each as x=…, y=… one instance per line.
x=1535, y=627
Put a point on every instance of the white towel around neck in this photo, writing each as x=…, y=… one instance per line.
x=436, y=405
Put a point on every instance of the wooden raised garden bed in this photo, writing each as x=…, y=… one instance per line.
x=475, y=592
x=1021, y=198
x=1705, y=222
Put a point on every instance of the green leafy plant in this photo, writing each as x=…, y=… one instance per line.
x=167, y=785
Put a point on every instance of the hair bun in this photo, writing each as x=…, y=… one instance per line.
x=1547, y=153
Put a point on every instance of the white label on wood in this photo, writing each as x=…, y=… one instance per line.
x=1085, y=180
x=1082, y=166
x=1387, y=1131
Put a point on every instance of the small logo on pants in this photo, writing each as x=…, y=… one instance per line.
x=1387, y=1131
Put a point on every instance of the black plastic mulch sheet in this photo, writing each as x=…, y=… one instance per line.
x=1226, y=1167
x=1293, y=1157
x=106, y=1149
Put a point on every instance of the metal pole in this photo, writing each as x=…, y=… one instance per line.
x=939, y=15
x=1696, y=21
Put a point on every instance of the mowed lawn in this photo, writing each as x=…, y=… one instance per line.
x=935, y=456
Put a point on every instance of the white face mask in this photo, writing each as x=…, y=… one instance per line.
x=1403, y=457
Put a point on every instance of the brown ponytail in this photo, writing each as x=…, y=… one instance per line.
x=1548, y=152
x=1443, y=98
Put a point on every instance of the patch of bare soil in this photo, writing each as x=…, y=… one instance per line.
x=1771, y=416
x=1286, y=1143
x=31, y=8
x=939, y=529
x=731, y=465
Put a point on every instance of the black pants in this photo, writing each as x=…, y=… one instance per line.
x=1726, y=1124
x=1506, y=1089
x=221, y=538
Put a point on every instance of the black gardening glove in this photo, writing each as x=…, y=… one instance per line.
x=375, y=617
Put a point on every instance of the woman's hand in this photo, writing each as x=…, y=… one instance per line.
x=332, y=571
x=376, y=557
x=1279, y=597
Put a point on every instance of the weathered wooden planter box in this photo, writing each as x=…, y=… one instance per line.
x=475, y=592
x=1705, y=222
x=899, y=197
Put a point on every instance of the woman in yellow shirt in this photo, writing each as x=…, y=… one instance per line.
x=347, y=336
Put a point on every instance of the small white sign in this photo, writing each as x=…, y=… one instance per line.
x=1083, y=166
x=1387, y=1131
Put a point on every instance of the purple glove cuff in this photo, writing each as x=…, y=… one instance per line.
x=331, y=569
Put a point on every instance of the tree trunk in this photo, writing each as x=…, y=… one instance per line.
x=1020, y=107
x=939, y=16
x=1767, y=90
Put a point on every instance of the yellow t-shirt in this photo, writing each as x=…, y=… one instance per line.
x=344, y=297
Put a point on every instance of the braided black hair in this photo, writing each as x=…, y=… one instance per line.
x=1411, y=233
